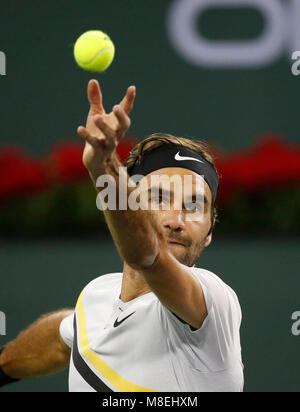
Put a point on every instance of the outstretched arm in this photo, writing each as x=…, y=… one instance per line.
x=102, y=134
x=140, y=240
x=38, y=350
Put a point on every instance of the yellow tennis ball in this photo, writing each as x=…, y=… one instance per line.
x=94, y=51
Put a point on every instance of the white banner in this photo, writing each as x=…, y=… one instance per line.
x=281, y=33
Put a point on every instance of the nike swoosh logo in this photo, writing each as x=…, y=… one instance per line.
x=180, y=158
x=117, y=323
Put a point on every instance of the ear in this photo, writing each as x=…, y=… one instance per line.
x=208, y=240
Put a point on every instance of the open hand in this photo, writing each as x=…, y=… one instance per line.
x=103, y=130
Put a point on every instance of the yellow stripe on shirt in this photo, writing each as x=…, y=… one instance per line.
x=106, y=371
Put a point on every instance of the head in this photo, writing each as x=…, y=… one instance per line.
x=186, y=237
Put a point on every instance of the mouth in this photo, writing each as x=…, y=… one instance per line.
x=175, y=242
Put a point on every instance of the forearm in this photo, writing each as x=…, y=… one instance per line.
x=102, y=133
x=38, y=350
x=129, y=228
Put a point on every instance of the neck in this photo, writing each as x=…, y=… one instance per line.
x=133, y=284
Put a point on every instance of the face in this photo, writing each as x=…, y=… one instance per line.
x=183, y=215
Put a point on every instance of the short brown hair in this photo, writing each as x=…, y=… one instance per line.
x=158, y=139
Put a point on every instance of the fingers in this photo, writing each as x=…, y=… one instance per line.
x=119, y=127
x=95, y=97
x=92, y=140
x=123, y=119
x=128, y=100
x=110, y=134
x=113, y=126
x=105, y=128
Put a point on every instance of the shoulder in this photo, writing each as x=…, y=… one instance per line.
x=217, y=292
x=210, y=278
x=98, y=293
x=103, y=283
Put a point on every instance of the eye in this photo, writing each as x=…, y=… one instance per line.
x=158, y=200
x=193, y=207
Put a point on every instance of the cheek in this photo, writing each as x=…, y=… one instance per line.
x=200, y=229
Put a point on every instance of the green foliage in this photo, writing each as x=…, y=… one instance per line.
x=269, y=211
x=71, y=210
x=61, y=210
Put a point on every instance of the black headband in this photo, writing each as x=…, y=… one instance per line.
x=171, y=155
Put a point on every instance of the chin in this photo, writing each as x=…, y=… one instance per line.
x=184, y=258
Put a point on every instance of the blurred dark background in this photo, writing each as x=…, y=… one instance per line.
x=221, y=74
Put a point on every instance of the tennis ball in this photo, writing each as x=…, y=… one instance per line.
x=94, y=51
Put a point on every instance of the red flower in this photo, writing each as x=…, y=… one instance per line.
x=20, y=175
x=125, y=146
x=271, y=163
x=65, y=164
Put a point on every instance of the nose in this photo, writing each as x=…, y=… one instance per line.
x=174, y=221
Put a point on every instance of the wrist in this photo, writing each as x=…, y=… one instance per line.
x=95, y=173
x=109, y=165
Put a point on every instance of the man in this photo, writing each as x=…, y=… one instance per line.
x=163, y=324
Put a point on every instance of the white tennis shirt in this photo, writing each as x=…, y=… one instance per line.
x=141, y=346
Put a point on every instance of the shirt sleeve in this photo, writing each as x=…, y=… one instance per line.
x=212, y=345
x=66, y=330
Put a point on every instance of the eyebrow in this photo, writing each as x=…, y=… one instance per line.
x=193, y=198
x=164, y=192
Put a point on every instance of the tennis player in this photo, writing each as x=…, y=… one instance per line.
x=161, y=325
